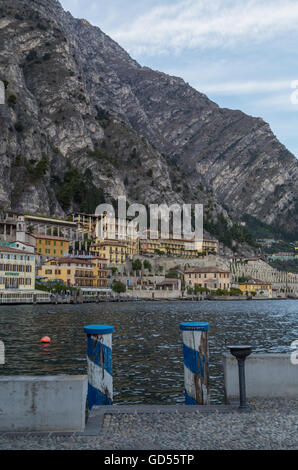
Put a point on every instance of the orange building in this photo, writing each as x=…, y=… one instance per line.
x=51, y=246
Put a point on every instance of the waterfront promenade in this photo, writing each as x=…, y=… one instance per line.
x=272, y=424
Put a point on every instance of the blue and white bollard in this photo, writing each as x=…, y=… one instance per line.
x=99, y=359
x=195, y=350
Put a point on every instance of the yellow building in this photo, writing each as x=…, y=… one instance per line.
x=211, y=278
x=115, y=251
x=73, y=272
x=255, y=285
x=210, y=246
x=100, y=271
x=116, y=239
x=76, y=272
x=17, y=269
x=51, y=246
x=176, y=246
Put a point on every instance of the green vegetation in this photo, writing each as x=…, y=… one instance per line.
x=172, y=274
x=12, y=99
x=80, y=190
x=260, y=229
x=159, y=252
x=288, y=265
x=19, y=126
x=137, y=265
x=147, y=265
x=37, y=170
x=55, y=287
x=226, y=234
x=235, y=291
x=118, y=287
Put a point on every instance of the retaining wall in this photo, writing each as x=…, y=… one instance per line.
x=50, y=403
x=267, y=376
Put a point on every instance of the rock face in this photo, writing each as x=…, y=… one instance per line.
x=84, y=122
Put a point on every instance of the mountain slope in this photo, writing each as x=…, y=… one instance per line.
x=160, y=140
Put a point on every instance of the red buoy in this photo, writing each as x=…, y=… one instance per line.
x=45, y=339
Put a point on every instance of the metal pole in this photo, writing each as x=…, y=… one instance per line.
x=195, y=350
x=242, y=387
x=99, y=359
x=241, y=352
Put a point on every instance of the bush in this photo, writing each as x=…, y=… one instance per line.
x=172, y=274
x=235, y=291
x=19, y=127
x=12, y=100
x=118, y=287
x=137, y=265
x=31, y=56
x=147, y=265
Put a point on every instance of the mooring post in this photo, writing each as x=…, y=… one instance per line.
x=241, y=352
x=99, y=359
x=195, y=350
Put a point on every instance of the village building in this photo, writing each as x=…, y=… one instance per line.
x=50, y=246
x=76, y=272
x=212, y=278
x=17, y=269
x=256, y=286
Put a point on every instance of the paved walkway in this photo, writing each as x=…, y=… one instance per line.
x=272, y=424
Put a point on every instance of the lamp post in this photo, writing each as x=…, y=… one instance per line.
x=241, y=352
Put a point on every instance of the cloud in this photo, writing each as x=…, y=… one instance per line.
x=241, y=88
x=189, y=24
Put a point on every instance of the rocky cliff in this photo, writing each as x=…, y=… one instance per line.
x=83, y=122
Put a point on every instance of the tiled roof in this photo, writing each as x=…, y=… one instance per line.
x=8, y=249
x=49, y=237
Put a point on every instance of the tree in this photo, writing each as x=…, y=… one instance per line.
x=137, y=265
x=172, y=274
x=147, y=265
x=118, y=287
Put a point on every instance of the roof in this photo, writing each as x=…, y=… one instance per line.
x=207, y=269
x=65, y=260
x=49, y=237
x=255, y=282
x=23, y=243
x=8, y=249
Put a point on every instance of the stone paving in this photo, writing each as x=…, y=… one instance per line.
x=272, y=424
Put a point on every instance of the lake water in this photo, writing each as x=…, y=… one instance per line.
x=147, y=343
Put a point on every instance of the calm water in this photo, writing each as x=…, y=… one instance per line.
x=147, y=344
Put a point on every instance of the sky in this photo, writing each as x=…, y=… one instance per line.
x=241, y=53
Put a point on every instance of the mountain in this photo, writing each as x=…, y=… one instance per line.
x=84, y=123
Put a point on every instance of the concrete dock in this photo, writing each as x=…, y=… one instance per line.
x=271, y=424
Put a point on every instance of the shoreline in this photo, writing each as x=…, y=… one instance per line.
x=146, y=300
